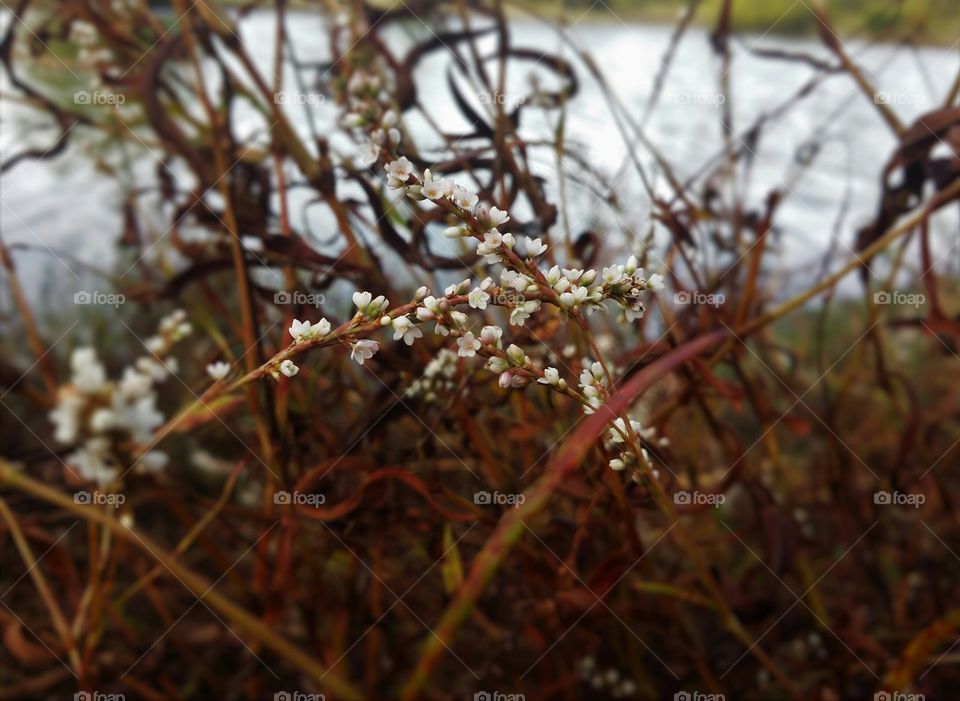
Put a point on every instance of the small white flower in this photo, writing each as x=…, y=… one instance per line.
x=102, y=420
x=506, y=379
x=468, y=345
x=550, y=377
x=497, y=365
x=498, y=216
x=370, y=306
x=288, y=368
x=617, y=464
x=478, y=298
x=534, y=247
x=218, y=370
x=406, y=329
x=320, y=329
x=454, y=232
x=369, y=153
x=362, y=300
x=516, y=355
x=656, y=282
x=88, y=374
x=363, y=350
x=520, y=313
x=155, y=344
x=463, y=198
x=432, y=189
x=491, y=335
x=398, y=172
x=299, y=330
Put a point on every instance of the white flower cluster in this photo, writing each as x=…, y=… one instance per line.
x=109, y=418
x=616, y=685
x=370, y=109
x=569, y=288
x=437, y=377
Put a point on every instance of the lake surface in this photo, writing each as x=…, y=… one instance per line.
x=69, y=214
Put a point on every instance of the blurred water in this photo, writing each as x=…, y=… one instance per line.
x=66, y=211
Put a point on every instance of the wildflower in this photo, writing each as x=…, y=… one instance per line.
x=406, y=329
x=155, y=344
x=93, y=461
x=218, y=370
x=496, y=364
x=457, y=288
x=432, y=189
x=491, y=335
x=534, y=247
x=454, y=232
x=134, y=383
x=66, y=416
x=478, y=298
x=516, y=355
x=288, y=368
x=369, y=153
x=102, y=420
x=498, y=216
x=468, y=345
x=320, y=329
x=463, y=198
x=89, y=374
x=506, y=379
x=617, y=464
x=551, y=376
x=575, y=297
x=368, y=305
x=520, y=313
x=363, y=350
x=656, y=282
x=398, y=172
x=299, y=330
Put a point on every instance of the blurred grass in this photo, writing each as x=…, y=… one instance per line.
x=927, y=21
